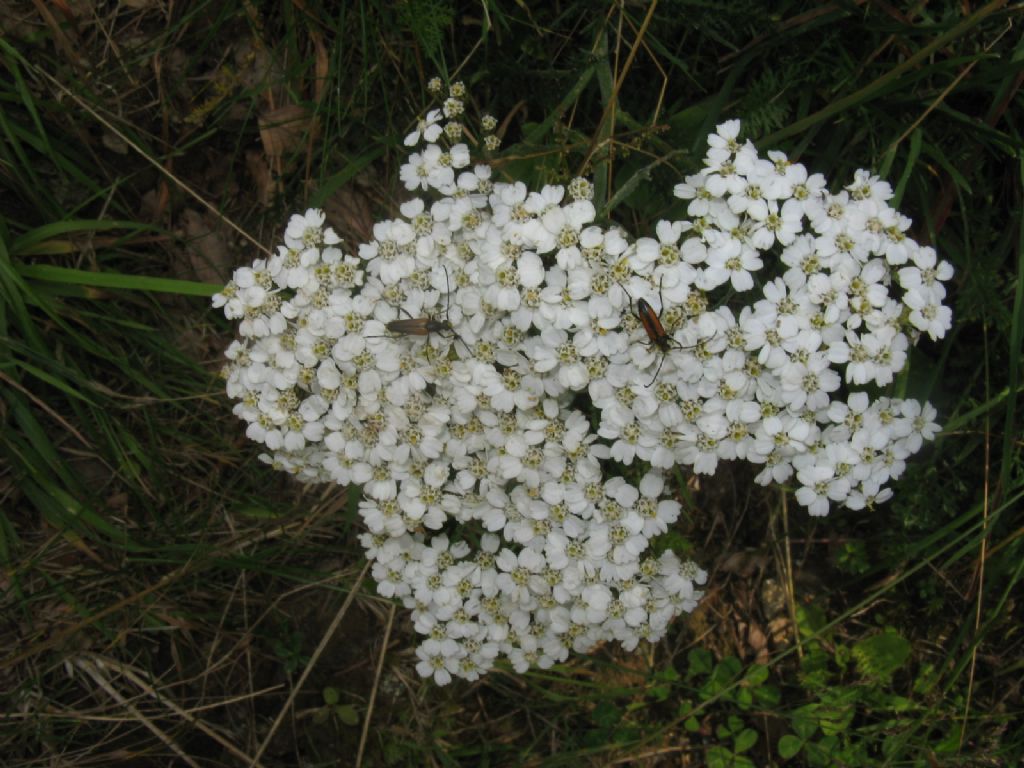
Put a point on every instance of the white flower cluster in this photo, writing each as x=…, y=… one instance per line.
x=449, y=371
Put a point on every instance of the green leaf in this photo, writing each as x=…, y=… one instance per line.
x=700, y=662
x=899, y=703
x=880, y=656
x=331, y=695
x=606, y=714
x=663, y=680
x=836, y=721
x=535, y=133
x=719, y=757
x=789, y=745
x=28, y=242
x=667, y=675
x=757, y=674
x=948, y=744
x=635, y=187
x=745, y=740
x=805, y=721
x=347, y=714
x=814, y=669
x=333, y=183
x=47, y=273
x=915, y=153
x=728, y=668
x=257, y=512
x=744, y=698
x=767, y=695
x=822, y=752
x=810, y=619
x=724, y=676
x=660, y=692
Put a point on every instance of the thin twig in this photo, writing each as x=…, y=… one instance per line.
x=92, y=669
x=790, y=589
x=312, y=663
x=184, y=714
x=376, y=682
x=981, y=564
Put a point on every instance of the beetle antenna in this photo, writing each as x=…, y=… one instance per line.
x=663, y=356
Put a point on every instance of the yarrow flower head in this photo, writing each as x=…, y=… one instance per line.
x=439, y=368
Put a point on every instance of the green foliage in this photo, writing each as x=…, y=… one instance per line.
x=726, y=687
x=286, y=643
x=848, y=718
x=880, y=656
x=429, y=21
x=334, y=711
x=852, y=558
x=853, y=708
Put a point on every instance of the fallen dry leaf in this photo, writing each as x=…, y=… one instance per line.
x=773, y=598
x=153, y=204
x=758, y=643
x=207, y=255
x=780, y=630
x=114, y=143
x=267, y=185
x=743, y=564
x=285, y=130
x=350, y=210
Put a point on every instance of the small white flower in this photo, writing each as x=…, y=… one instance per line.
x=427, y=169
x=927, y=313
x=438, y=659
x=426, y=129
x=729, y=260
x=305, y=230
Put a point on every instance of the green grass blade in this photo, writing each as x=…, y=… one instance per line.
x=64, y=275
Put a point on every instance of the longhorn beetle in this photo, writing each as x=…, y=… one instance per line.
x=656, y=333
x=424, y=326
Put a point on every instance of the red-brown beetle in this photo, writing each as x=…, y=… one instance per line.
x=424, y=326
x=656, y=333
